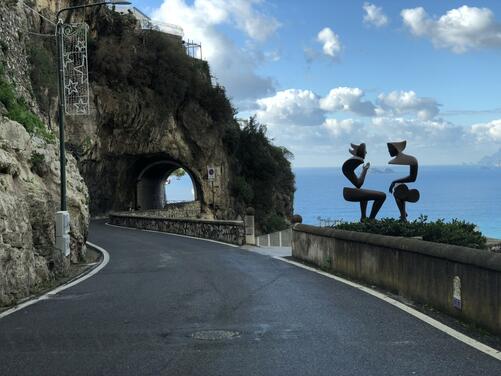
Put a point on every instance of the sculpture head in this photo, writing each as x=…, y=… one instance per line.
x=358, y=150
x=395, y=148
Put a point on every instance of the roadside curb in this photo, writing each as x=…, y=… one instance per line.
x=411, y=311
x=78, y=279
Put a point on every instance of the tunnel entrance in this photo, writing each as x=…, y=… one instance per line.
x=179, y=188
x=155, y=183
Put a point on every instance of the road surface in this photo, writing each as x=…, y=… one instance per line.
x=167, y=305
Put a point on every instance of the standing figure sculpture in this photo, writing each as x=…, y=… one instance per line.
x=357, y=194
x=400, y=190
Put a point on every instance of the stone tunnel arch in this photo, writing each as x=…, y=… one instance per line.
x=150, y=183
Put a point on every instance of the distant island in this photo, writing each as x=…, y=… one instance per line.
x=379, y=170
x=493, y=160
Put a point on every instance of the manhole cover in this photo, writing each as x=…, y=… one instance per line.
x=214, y=335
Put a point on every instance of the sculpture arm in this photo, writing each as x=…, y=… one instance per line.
x=408, y=179
x=361, y=178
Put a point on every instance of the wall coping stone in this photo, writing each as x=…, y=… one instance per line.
x=470, y=256
x=195, y=220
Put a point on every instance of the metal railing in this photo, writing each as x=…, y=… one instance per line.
x=276, y=239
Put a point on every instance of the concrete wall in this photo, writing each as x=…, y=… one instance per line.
x=416, y=269
x=232, y=232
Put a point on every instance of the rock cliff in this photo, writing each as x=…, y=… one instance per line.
x=29, y=174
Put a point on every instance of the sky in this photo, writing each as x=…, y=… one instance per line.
x=324, y=74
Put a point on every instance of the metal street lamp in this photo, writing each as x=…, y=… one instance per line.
x=59, y=41
x=73, y=86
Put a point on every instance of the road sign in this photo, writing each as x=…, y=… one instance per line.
x=211, y=173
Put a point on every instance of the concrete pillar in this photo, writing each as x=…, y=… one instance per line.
x=250, y=235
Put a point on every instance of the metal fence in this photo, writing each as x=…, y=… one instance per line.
x=275, y=239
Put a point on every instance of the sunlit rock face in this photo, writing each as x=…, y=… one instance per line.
x=30, y=178
x=29, y=198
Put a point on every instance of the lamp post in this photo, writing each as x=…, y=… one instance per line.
x=62, y=216
x=61, y=106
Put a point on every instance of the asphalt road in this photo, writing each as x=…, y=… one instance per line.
x=167, y=305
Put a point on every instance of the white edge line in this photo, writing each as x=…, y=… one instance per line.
x=170, y=233
x=51, y=293
x=419, y=315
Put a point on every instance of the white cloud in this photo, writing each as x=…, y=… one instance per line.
x=487, y=132
x=331, y=44
x=338, y=128
x=290, y=107
x=374, y=15
x=422, y=133
x=347, y=99
x=405, y=102
x=459, y=29
x=233, y=65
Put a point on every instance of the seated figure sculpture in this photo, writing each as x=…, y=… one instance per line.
x=358, y=194
x=400, y=190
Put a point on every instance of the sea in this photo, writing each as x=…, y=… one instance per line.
x=470, y=193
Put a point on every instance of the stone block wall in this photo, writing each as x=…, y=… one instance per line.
x=422, y=271
x=232, y=232
x=191, y=209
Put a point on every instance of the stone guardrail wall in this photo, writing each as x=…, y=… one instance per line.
x=460, y=281
x=232, y=232
x=190, y=209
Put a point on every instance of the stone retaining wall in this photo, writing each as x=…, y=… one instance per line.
x=191, y=209
x=232, y=232
x=463, y=282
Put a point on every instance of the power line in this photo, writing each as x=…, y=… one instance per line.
x=41, y=15
x=41, y=35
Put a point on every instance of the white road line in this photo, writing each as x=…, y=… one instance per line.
x=170, y=233
x=419, y=315
x=106, y=259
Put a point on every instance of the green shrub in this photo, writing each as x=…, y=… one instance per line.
x=263, y=175
x=18, y=110
x=455, y=232
x=38, y=165
x=273, y=222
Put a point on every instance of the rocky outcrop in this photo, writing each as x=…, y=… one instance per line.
x=29, y=176
x=151, y=107
x=29, y=198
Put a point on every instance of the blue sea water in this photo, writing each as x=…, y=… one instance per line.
x=470, y=193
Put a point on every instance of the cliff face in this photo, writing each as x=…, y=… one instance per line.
x=29, y=174
x=153, y=110
x=155, y=106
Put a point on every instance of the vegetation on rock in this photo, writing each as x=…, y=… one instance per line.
x=456, y=232
x=18, y=110
x=155, y=67
x=263, y=174
x=42, y=59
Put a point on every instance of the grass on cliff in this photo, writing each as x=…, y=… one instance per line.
x=19, y=111
x=455, y=232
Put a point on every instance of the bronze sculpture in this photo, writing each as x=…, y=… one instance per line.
x=357, y=194
x=400, y=190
